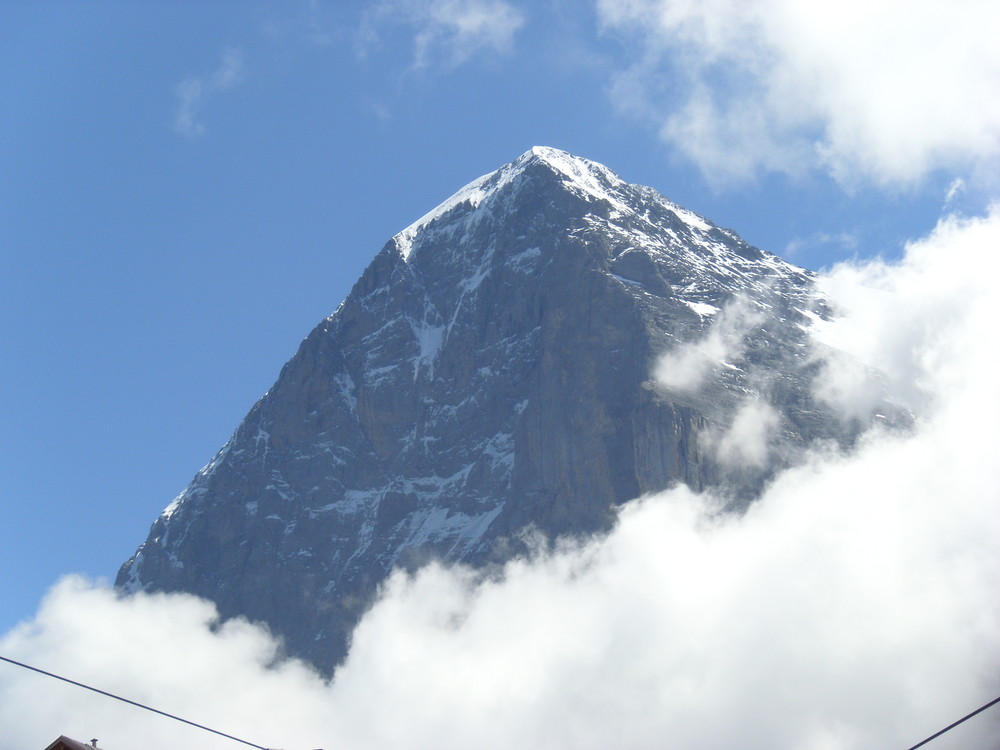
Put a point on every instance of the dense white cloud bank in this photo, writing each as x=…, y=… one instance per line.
x=854, y=606
x=883, y=89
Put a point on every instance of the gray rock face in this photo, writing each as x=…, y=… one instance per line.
x=491, y=372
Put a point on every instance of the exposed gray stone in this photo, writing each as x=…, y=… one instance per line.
x=489, y=373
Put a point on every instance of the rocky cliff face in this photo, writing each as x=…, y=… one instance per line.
x=491, y=372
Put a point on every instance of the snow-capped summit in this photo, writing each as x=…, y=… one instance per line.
x=545, y=345
x=584, y=178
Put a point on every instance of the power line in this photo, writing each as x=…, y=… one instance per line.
x=955, y=724
x=262, y=747
x=133, y=703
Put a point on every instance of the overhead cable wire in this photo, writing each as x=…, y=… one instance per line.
x=955, y=724
x=133, y=703
x=262, y=747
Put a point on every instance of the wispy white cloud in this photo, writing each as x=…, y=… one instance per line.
x=686, y=367
x=886, y=90
x=193, y=92
x=955, y=189
x=448, y=32
x=311, y=22
x=746, y=442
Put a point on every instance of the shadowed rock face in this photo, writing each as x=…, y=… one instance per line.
x=491, y=373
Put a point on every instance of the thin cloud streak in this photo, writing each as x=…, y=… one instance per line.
x=193, y=92
x=746, y=442
x=687, y=367
x=447, y=33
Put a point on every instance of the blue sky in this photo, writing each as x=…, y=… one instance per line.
x=187, y=188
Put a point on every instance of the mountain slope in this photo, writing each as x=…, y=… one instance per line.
x=491, y=372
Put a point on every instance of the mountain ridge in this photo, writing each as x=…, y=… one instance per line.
x=493, y=373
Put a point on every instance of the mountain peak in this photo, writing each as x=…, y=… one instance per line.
x=586, y=179
x=543, y=152
x=567, y=164
x=506, y=375
x=481, y=190
x=572, y=168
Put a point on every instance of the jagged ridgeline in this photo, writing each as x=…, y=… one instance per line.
x=492, y=372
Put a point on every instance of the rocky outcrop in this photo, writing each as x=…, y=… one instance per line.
x=491, y=372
